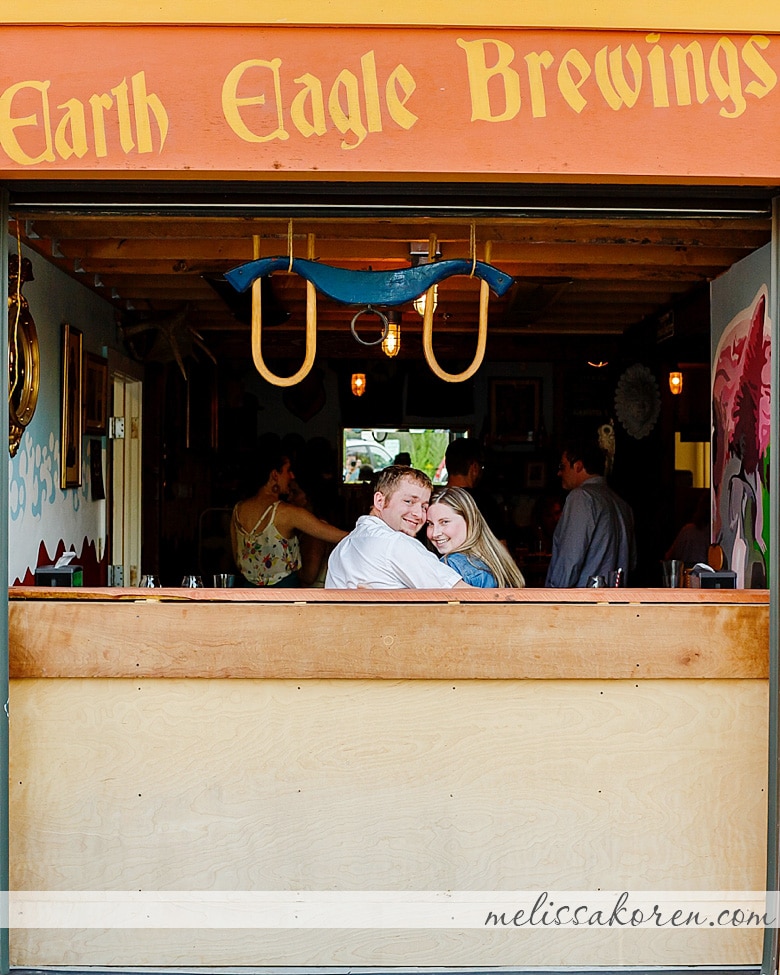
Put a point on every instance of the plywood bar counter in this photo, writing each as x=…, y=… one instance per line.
x=387, y=741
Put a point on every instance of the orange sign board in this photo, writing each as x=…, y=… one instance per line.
x=237, y=102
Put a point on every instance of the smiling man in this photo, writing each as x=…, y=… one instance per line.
x=382, y=551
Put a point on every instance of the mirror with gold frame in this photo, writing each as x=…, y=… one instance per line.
x=24, y=366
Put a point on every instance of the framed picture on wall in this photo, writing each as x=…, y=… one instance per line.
x=515, y=409
x=95, y=394
x=72, y=394
x=536, y=475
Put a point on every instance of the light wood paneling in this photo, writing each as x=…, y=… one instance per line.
x=510, y=640
x=593, y=778
x=372, y=785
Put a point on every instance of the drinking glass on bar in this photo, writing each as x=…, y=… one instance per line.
x=671, y=573
x=224, y=580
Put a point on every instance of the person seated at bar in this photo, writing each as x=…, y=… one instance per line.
x=595, y=534
x=547, y=513
x=461, y=536
x=691, y=545
x=465, y=463
x=268, y=552
x=382, y=551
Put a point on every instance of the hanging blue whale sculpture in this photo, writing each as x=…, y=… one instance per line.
x=370, y=287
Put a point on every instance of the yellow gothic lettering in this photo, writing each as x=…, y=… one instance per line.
x=400, y=78
x=143, y=103
x=767, y=78
x=120, y=93
x=569, y=88
x=680, y=57
x=10, y=123
x=232, y=103
x=371, y=92
x=611, y=78
x=728, y=85
x=656, y=61
x=70, y=137
x=100, y=104
x=347, y=120
x=479, y=75
x=535, y=63
x=311, y=92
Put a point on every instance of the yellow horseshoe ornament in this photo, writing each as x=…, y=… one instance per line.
x=311, y=325
x=427, y=334
x=311, y=320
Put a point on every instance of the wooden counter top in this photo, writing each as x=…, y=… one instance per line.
x=531, y=634
x=116, y=594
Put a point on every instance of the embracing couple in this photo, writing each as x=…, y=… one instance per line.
x=383, y=551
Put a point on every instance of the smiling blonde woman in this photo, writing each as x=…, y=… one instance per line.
x=459, y=533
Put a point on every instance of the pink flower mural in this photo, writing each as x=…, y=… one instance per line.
x=740, y=442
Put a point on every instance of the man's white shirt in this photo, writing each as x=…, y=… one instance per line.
x=375, y=556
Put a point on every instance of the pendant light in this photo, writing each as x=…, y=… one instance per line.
x=391, y=343
x=358, y=383
x=676, y=383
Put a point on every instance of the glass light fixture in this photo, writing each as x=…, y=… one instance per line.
x=358, y=383
x=676, y=383
x=425, y=252
x=420, y=302
x=391, y=343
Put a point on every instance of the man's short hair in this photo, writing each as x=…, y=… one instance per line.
x=461, y=454
x=389, y=480
x=589, y=453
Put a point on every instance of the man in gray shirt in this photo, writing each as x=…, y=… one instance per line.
x=595, y=534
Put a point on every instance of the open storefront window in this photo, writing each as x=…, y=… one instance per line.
x=366, y=451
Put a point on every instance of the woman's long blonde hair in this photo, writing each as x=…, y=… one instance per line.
x=480, y=542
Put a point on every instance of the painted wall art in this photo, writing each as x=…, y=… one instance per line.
x=740, y=440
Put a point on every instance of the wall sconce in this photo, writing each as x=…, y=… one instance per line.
x=676, y=383
x=358, y=383
x=391, y=343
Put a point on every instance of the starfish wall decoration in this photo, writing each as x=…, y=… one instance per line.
x=173, y=340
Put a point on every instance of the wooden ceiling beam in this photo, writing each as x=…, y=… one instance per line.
x=574, y=276
x=381, y=228
x=221, y=255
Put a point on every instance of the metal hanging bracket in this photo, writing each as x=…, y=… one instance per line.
x=370, y=310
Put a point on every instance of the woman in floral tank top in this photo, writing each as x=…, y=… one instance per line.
x=264, y=529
